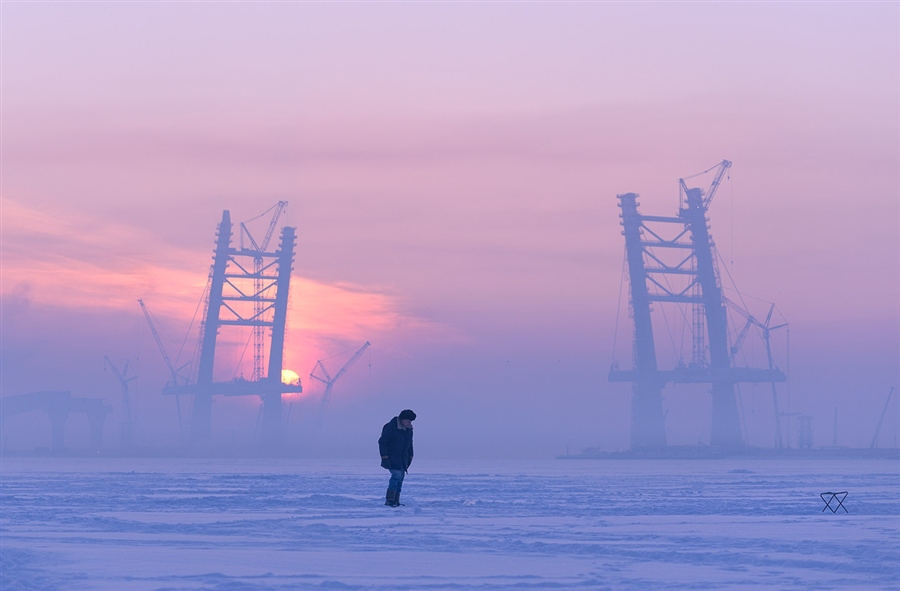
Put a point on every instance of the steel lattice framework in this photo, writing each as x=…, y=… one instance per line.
x=243, y=292
x=657, y=248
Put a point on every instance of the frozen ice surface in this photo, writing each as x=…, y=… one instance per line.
x=153, y=524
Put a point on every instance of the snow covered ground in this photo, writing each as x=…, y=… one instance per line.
x=154, y=524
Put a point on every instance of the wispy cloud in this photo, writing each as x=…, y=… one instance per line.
x=61, y=259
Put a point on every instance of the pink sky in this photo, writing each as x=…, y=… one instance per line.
x=452, y=172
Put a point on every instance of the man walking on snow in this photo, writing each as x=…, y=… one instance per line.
x=396, y=448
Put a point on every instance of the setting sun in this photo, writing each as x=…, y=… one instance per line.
x=290, y=377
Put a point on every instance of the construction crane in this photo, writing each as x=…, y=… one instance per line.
x=173, y=373
x=714, y=186
x=723, y=166
x=763, y=326
x=127, y=434
x=329, y=381
x=258, y=304
x=874, y=443
x=698, y=323
x=766, y=331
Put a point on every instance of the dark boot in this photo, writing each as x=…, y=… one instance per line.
x=390, y=498
x=397, y=502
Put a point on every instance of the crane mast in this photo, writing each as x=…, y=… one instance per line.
x=127, y=434
x=698, y=316
x=766, y=330
x=259, y=307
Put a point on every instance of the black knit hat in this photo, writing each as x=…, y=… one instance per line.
x=407, y=415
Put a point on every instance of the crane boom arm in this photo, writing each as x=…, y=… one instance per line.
x=327, y=379
x=159, y=343
x=271, y=229
x=714, y=186
x=881, y=420
x=329, y=384
x=120, y=375
x=352, y=360
x=261, y=246
x=740, y=338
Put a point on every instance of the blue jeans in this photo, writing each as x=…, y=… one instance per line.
x=396, y=482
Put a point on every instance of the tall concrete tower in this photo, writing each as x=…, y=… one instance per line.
x=241, y=294
x=649, y=242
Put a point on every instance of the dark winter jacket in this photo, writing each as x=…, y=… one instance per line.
x=396, y=442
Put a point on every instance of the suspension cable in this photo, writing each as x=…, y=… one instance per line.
x=619, y=307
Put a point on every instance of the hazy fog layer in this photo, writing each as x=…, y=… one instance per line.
x=452, y=172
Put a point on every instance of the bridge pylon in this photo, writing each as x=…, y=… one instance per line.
x=243, y=292
x=671, y=260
